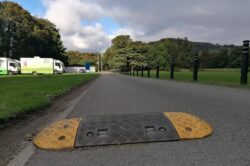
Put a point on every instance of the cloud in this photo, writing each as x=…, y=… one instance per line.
x=68, y=16
x=89, y=38
x=224, y=21
x=127, y=31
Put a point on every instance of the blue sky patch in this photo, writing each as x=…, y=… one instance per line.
x=35, y=7
x=109, y=26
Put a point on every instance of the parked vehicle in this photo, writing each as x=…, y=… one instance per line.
x=39, y=65
x=9, y=66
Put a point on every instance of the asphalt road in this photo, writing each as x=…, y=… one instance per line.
x=226, y=109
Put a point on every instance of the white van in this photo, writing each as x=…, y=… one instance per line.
x=9, y=66
x=39, y=65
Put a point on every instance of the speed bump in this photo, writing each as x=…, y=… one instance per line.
x=125, y=129
x=58, y=136
x=122, y=129
x=189, y=126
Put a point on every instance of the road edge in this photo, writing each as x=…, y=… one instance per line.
x=22, y=158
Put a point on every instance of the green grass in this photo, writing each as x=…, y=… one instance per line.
x=23, y=94
x=220, y=77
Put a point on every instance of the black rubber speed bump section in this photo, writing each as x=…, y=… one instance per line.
x=125, y=129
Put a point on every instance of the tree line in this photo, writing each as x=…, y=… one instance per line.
x=124, y=53
x=23, y=35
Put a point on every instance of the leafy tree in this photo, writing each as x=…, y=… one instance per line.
x=204, y=58
x=125, y=53
x=22, y=35
x=109, y=60
x=77, y=58
x=183, y=51
x=120, y=44
x=47, y=40
x=17, y=25
x=136, y=54
x=234, y=57
x=1, y=30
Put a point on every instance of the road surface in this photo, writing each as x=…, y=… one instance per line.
x=226, y=109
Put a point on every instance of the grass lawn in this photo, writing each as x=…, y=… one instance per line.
x=214, y=77
x=22, y=94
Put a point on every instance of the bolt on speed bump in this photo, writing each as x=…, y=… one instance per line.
x=122, y=129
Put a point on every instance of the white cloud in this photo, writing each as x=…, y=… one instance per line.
x=127, y=31
x=223, y=21
x=89, y=38
x=68, y=15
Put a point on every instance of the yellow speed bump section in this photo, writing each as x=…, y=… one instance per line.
x=189, y=126
x=58, y=136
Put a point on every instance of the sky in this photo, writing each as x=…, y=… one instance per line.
x=90, y=25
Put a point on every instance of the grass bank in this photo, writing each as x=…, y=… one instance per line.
x=23, y=94
x=220, y=77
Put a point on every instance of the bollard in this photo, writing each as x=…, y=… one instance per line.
x=148, y=72
x=172, y=67
x=196, y=65
x=142, y=71
x=245, y=61
x=157, y=71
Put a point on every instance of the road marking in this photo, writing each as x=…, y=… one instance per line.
x=23, y=157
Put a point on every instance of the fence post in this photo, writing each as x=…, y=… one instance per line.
x=148, y=72
x=157, y=71
x=196, y=65
x=172, y=67
x=142, y=71
x=245, y=61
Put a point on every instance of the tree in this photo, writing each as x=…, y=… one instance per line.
x=2, y=30
x=109, y=60
x=22, y=35
x=234, y=57
x=47, y=40
x=136, y=54
x=204, y=58
x=125, y=53
x=77, y=58
x=157, y=54
x=117, y=53
x=17, y=27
